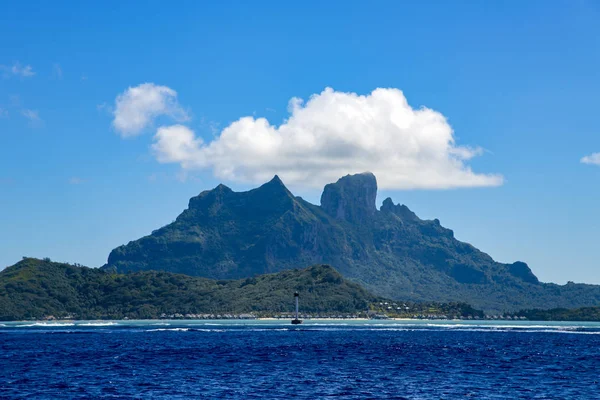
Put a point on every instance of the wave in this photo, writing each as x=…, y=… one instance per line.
x=168, y=330
x=72, y=331
x=504, y=326
x=99, y=324
x=490, y=327
x=539, y=329
x=46, y=325
x=571, y=330
x=184, y=330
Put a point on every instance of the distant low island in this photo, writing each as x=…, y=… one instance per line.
x=35, y=289
x=42, y=289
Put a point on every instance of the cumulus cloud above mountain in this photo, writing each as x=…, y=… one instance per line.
x=331, y=135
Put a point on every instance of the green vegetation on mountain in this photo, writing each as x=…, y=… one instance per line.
x=562, y=314
x=39, y=288
x=34, y=289
x=390, y=251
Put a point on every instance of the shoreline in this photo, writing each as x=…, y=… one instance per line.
x=109, y=322
x=65, y=321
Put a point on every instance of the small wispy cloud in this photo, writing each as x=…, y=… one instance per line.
x=592, y=159
x=75, y=180
x=32, y=115
x=104, y=108
x=213, y=127
x=17, y=69
x=57, y=71
x=3, y=113
x=15, y=100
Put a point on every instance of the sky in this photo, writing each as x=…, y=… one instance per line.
x=482, y=114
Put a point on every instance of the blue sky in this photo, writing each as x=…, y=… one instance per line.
x=517, y=82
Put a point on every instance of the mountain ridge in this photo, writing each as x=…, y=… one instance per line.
x=43, y=289
x=35, y=288
x=227, y=235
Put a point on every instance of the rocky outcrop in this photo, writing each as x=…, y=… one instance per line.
x=400, y=210
x=351, y=198
x=523, y=272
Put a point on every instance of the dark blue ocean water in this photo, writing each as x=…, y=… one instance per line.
x=263, y=359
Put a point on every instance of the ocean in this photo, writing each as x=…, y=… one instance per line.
x=318, y=359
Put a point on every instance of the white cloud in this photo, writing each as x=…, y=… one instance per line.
x=31, y=115
x=3, y=113
x=177, y=144
x=57, y=71
x=592, y=159
x=17, y=70
x=333, y=134
x=137, y=107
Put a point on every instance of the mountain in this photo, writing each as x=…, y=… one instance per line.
x=36, y=288
x=228, y=235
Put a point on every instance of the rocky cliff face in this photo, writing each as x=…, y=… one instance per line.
x=225, y=234
x=352, y=198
